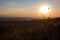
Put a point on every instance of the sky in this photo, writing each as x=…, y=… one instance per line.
x=28, y=8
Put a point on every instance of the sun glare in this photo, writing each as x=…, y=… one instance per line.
x=44, y=9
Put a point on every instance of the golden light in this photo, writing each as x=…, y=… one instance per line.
x=44, y=9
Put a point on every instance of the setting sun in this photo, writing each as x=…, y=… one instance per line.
x=44, y=9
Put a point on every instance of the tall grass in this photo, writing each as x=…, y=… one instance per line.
x=48, y=29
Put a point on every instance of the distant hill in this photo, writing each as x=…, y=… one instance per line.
x=14, y=19
x=11, y=19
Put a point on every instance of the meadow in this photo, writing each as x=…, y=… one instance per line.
x=42, y=29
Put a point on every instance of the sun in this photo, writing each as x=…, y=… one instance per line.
x=44, y=9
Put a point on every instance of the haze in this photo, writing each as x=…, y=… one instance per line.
x=27, y=8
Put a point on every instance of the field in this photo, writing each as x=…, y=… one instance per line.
x=44, y=29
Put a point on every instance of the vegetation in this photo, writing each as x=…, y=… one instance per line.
x=44, y=29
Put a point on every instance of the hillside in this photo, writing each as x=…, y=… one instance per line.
x=42, y=29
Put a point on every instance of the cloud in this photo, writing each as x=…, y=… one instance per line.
x=7, y=0
x=5, y=5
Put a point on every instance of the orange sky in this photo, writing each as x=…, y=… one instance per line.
x=27, y=13
x=28, y=8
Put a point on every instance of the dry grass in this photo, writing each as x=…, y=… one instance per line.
x=48, y=29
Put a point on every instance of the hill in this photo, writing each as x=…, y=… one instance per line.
x=42, y=29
